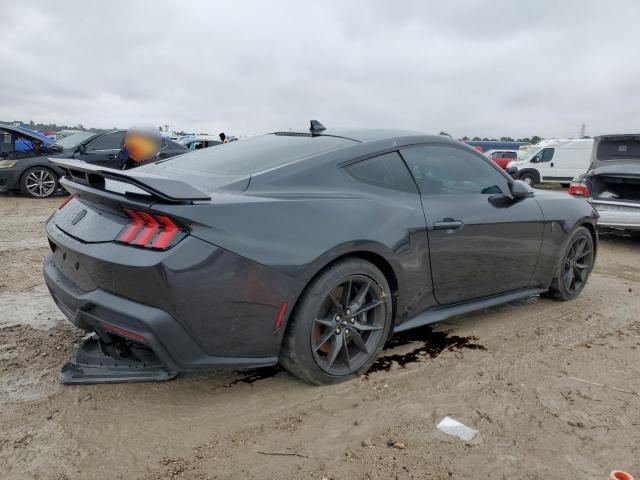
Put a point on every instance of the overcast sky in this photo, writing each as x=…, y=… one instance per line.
x=487, y=68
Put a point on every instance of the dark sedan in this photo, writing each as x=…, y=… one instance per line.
x=304, y=248
x=24, y=164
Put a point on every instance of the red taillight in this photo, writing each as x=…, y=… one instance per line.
x=578, y=189
x=66, y=200
x=123, y=332
x=133, y=229
x=151, y=227
x=169, y=230
x=148, y=230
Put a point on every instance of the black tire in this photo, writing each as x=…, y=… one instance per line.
x=39, y=182
x=319, y=351
x=565, y=185
x=574, y=267
x=530, y=178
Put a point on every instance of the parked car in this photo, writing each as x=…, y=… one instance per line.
x=25, y=144
x=29, y=171
x=612, y=183
x=485, y=145
x=197, y=142
x=304, y=248
x=555, y=161
x=66, y=133
x=502, y=157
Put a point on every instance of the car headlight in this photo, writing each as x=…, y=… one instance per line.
x=7, y=163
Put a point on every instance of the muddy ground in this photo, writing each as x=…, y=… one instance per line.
x=535, y=420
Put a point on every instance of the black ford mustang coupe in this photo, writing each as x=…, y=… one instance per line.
x=304, y=248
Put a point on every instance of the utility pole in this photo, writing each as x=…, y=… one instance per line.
x=583, y=128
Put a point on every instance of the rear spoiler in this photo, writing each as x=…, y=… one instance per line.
x=167, y=189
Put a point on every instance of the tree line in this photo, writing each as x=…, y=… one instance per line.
x=533, y=140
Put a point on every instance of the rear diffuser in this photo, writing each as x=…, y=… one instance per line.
x=97, y=362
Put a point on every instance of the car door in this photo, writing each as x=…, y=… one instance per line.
x=481, y=241
x=545, y=164
x=103, y=150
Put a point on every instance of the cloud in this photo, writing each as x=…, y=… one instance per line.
x=467, y=67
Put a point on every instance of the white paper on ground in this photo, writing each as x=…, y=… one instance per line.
x=453, y=427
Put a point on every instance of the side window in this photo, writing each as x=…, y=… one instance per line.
x=386, y=171
x=109, y=141
x=442, y=170
x=26, y=147
x=547, y=155
x=510, y=155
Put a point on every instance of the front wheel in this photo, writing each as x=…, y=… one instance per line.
x=575, y=266
x=39, y=182
x=340, y=325
x=529, y=178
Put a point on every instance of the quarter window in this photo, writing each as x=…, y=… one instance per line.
x=386, y=171
x=442, y=170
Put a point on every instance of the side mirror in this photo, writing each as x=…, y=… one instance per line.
x=535, y=160
x=82, y=149
x=520, y=189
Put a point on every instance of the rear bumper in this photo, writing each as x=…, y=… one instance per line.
x=102, y=311
x=618, y=215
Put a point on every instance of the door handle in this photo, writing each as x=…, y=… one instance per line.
x=111, y=157
x=551, y=164
x=448, y=224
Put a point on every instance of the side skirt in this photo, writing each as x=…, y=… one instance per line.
x=442, y=313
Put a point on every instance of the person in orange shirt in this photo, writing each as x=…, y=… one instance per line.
x=141, y=145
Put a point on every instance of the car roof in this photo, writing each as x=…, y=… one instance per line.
x=365, y=135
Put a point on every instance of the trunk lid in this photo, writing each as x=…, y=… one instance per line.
x=614, y=175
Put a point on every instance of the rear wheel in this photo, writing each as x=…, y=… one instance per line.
x=575, y=266
x=39, y=182
x=340, y=325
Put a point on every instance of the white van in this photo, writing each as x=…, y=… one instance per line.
x=553, y=161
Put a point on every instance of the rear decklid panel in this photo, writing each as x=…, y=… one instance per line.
x=614, y=175
x=90, y=223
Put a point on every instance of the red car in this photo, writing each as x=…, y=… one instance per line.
x=502, y=157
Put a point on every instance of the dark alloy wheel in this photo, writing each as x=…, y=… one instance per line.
x=340, y=324
x=349, y=326
x=575, y=267
x=39, y=182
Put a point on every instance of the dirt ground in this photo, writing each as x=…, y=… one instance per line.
x=535, y=419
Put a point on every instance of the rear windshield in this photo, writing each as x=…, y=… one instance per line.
x=255, y=154
x=619, y=149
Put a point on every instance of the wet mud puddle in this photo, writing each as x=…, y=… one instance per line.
x=430, y=345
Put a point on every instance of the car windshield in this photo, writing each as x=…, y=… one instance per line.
x=623, y=148
x=74, y=139
x=256, y=154
x=529, y=154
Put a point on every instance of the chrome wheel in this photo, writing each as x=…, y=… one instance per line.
x=349, y=325
x=40, y=183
